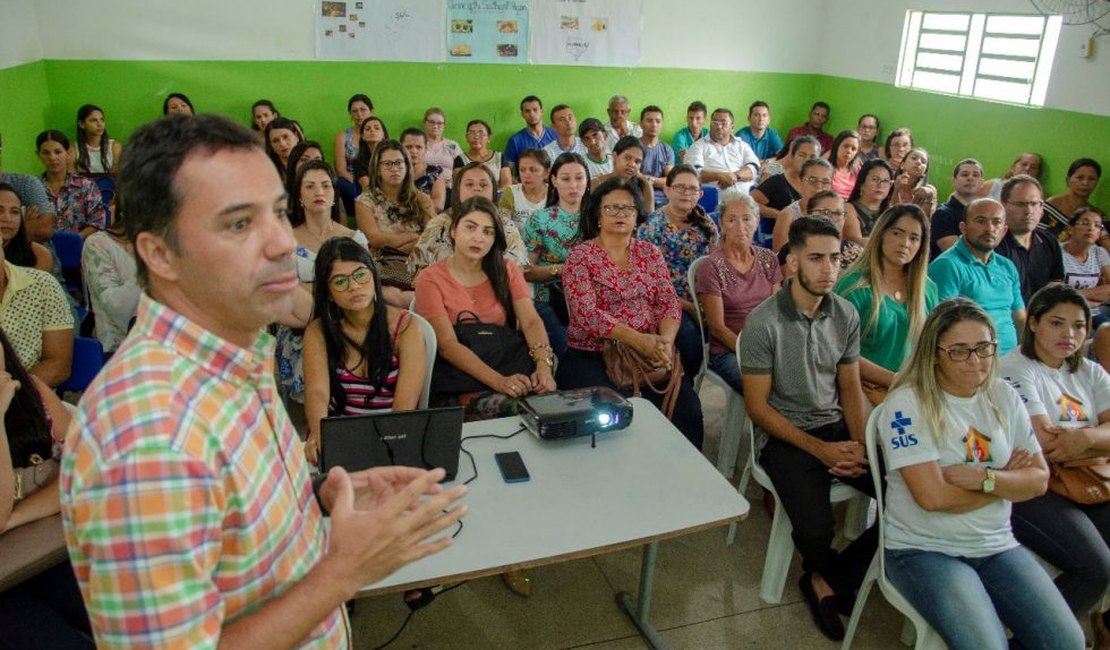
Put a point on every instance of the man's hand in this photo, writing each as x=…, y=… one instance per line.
x=388, y=524
x=845, y=459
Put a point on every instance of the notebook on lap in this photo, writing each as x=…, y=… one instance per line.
x=425, y=438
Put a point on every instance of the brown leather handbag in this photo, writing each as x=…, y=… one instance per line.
x=1084, y=481
x=629, y=370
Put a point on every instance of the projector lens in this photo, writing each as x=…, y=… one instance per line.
x=604, y=419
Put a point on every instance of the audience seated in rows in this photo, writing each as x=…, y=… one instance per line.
x=618, y=287
x=959, y=451
x=360, y=354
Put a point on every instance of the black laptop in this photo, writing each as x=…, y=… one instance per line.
x=425, y=438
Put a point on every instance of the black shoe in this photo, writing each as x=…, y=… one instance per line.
x=845, y=603
x=824, y=611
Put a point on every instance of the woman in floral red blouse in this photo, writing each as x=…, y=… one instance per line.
x=619, y=287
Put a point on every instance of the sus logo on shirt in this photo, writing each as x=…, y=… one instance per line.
x=903, y=440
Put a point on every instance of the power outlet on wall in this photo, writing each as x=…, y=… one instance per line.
x=887, y=69
x=1086, y=47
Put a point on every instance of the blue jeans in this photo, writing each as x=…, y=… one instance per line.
x=688, y=344
x=724, y=364
x=556, y=331
x=970, y=601
x=1071, y=538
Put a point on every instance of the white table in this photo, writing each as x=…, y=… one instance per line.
x=639, y=485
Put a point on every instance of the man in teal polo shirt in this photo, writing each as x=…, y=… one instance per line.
x=971, y=269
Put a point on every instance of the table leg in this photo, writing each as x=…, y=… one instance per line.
x=639, y=608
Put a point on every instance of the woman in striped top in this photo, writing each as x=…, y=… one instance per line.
x=360, y=354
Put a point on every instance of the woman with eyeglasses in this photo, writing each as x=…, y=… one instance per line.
x=959, y=451
x=1086, y=264
x=816, y=174
x=775, y=192
x=1068, y=399
x=869, y=137
x=618, y=287
x=897, y=145
x=392, y=213
x=683, y=232
x=890, y=288
x=829, y=205
x=478, y=134
x=869, y=199
x=360, y=354
x=439, y=151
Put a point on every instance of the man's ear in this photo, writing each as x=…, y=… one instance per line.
x=963, y=227
x=159, y=258
x=792, y=263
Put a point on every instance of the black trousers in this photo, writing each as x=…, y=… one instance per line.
x=803, y=484
x=45, y=612
x=581, y=369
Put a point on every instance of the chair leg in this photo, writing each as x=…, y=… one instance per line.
x=730, y=438
x=742, y=488
x=855, y=518
x=861, y=601
x=780, y=551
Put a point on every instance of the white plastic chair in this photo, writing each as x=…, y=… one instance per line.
x=430, y=347
x=780, y=545
x=927, y=637
x=736, y=418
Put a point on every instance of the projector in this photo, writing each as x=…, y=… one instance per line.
x=573, y=413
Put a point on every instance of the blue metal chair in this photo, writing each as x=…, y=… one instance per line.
x=710, y=196
x=68, y=246
x=88, y=359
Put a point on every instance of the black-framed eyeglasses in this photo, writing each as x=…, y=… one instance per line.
x=829, y=214
x=983, y=351
x=820, y=182
x=613, y=209
x=343, y=282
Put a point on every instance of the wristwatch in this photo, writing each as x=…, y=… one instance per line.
x=988, y=481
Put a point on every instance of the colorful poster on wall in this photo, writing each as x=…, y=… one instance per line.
x=487, y=31
x=587, y=32
x=380, y=30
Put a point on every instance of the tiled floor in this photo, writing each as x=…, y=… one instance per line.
x=706, y=596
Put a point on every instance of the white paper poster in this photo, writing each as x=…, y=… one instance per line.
x=380, y=30
x=587, y=32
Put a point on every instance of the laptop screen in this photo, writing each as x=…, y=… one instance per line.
x=425, y=438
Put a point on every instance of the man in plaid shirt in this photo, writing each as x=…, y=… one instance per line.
x=189, y=513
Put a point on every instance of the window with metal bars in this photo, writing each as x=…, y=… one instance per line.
x=998, y=57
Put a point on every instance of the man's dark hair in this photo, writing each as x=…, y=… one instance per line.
x=148, y=191
x=650, y=109
x=807, y=226
x=725, y=111
x=820, y=105
x=556, y=109
x=966, y=161
x=696, y=106
x=415, y=132
x=1013, y=182
x=756, y=104
x=531, y=98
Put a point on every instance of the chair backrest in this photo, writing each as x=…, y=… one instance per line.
x=709, y=197
x=871, y=433
x=88, y=359
x=68, y=246
x=691, y=281
x=430, y=347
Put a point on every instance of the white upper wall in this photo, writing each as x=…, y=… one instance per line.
x=848, y=38
x=19, y=42
x=862, y=39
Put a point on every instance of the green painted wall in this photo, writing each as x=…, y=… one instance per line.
x=954, y=128
x=315, y=93
x=24, y=98
x=131, y=92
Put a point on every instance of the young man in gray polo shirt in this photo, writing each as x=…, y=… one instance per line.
x=799, y=357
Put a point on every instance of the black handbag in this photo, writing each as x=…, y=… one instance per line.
x=500, y=347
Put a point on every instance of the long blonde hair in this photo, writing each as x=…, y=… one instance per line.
x=919, y=370
x=869, y=267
